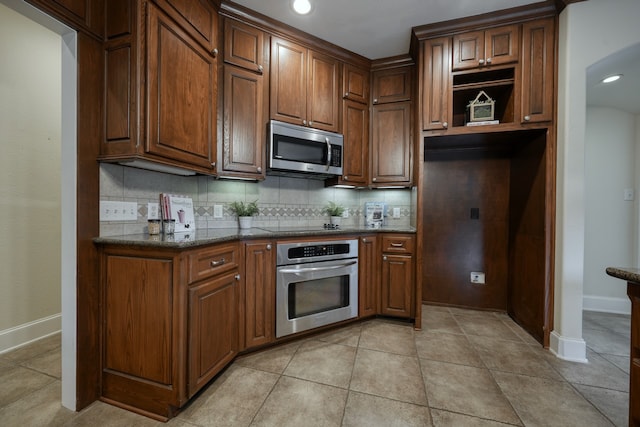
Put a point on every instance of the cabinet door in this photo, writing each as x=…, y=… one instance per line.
x=355, y=83
x=244, y=46
x=355, y=127
x=468, y=50
x=397, y=285
x=538, y=62
x=197, y=17
x=323, y=93
x=501, y=45
x=181, y=106
x=213, y=328
x=391, y=85
x=259, y=279
x=243, y=152
x=436, y=83
x=391, y=144
x=368, y=277
x=288, y=82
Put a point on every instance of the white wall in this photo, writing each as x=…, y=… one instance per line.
x=610, y=221
x=30, y=137
x=589, y=31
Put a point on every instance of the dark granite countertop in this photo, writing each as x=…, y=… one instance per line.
x=628, y=274
x=218, y=235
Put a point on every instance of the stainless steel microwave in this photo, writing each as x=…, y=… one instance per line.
x=298, y=149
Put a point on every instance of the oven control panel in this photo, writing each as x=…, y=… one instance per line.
x=293, y=253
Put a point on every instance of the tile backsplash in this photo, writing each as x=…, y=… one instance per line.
x=283, y=201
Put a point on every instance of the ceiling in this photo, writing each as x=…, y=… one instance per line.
x=382, y=28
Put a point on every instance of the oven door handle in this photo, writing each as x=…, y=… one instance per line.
x=308, y=269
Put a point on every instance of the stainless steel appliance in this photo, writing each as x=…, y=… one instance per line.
x=317, y=284
x=297, y=149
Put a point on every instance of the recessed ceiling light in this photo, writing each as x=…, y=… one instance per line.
x=612, y=78
x=302, y=6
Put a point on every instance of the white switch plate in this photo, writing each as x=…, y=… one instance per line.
x=153, y=210
x=118, y=211
x=396, y=212
x=129, y=211
x=345, y=213
x=628, y=194
x=477, y=277
x=217, y=211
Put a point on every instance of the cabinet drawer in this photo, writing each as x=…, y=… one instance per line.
x=211, y=261
x=398, y=244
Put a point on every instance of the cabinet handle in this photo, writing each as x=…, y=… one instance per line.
x=269, y=247
x=259, y=170
x=445, y=125
x=218, y=263
x=481, y=62
x=384, y=258
x=397, y=245
x=488, y=60
x=214, y=52
x=346, y=94
x=527, y=118
x=237, y=277
x=260, y=68
x=375, y=101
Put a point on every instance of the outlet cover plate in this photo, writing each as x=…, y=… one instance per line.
x=477, y=277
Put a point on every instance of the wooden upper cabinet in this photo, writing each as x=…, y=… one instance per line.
x=181, y=80
x=197, y=17
x=244, y=46
x=391, y=144
x=392, y=85
x=436, y=80
x=355, y=83
x=538, y=59
x=78, y=14
x=494, y=46
x=355, y=128
x=304, y=86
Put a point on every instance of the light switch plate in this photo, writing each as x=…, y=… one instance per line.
x=217, y=211
x=396, y=212
x=628, y=194
x=153, y=210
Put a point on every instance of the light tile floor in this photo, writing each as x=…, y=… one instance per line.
x=465, y=368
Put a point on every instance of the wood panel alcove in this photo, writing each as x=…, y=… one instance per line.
x=486, y=207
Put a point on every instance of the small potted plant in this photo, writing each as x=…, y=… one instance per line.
x=335, y=211
x=245, y=212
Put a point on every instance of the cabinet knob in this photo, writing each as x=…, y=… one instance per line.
x=364, y=240
x=260, y=68
x=214, y=52
x=384, y=258
x=445, y=125
x=375, y=101
x=346, y=94
x=374, y=179
x=237, y=277
x=346, y=178
x=527, y=118
x=217, y=263
x=310, y=123
x=488, y=60
x=481, y=62
x=259, y=169
x=213, y=164
x=269, y=246
x=304, y=122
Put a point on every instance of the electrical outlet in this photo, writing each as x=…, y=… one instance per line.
x=109, y=210
x=217, y=211
x=129, y=211
x=396, y=212
x=345, y=213
x=477, y=277
x=628, y=194
x=153, y=211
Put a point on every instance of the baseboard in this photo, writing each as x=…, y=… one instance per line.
x=571, y=349
x=18, y=336
x=606, y=304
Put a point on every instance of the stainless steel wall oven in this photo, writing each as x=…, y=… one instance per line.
x=317, y=284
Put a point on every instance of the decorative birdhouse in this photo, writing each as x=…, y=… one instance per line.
x=482, y=108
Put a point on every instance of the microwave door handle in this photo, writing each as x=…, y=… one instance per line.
x=309, y=269
x=328, y=153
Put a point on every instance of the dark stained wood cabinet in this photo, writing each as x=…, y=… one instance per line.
x=391, y=144
x=244, y=46
x=305, y=86
x=368, y=276
x=436, y=69
x=355, y=83
x=259, y=293
x=538, y=71
x=84, y=15
x=397, y=275
x=161, y=84
x=356, y=144
x=493, y=46
x=392, y=85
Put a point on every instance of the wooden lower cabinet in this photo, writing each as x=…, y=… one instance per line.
x=368, y=277
x=169, y=323
x=259, y=293
x=397, y=287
